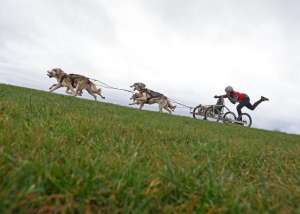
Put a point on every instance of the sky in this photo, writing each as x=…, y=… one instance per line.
x=189, y=50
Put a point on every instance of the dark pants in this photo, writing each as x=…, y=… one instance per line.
x=246, y=102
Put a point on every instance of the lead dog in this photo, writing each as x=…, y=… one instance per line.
x=74, y=82
x=147, y=96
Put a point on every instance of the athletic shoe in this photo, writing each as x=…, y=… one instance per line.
x=264, y=98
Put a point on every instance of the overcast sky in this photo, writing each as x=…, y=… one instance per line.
x=189, y=50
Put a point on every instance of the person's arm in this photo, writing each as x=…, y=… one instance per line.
x=220, y=96
x=233, y=100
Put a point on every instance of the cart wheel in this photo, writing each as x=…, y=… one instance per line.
x=212, y=114
x=229, y=117
x=246, y=119
x=197, y=112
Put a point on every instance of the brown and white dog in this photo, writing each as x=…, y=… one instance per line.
x=74, y=82
x=147, y=96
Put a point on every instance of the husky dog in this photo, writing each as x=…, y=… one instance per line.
x=74, y=82
x=147, y=96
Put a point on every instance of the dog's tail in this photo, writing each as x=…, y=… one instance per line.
x=93, y=86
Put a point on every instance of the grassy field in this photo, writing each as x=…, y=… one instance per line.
x=64, y=154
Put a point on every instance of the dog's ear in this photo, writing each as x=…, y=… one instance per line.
x=142, y=85
x=59, y=70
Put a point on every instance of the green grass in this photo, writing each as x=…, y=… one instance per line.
x=64, y=154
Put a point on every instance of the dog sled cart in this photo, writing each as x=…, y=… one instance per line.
x=200, y=111
x=220, y=113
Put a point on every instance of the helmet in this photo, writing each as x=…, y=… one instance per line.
x=228, y=89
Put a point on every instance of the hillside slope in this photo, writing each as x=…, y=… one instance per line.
x=64, y=154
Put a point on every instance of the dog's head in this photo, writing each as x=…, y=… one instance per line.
x=55, y=72
x=138, y=86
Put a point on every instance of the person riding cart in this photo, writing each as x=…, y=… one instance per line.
x=242, y=98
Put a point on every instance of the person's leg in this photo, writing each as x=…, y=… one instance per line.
x=239, y=110
x=239, y=107
x=252, y=107
x=247, y=103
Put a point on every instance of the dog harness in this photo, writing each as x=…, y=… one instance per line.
x=151, y=94
x=62, y=78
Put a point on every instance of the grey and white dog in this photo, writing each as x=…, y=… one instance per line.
x=146, y=96
x=73, y=82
